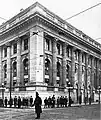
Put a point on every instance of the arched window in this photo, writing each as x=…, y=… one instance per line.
x=14, y=69
x=5, y=71
x=25, y=66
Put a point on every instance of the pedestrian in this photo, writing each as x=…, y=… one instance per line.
x=53, y=101
x=19, y=102
x=58, y=102
x=11, y=102
x=49, y=102
x=38, y=103
x=80, y=100
x=6, y=101
x=90, y=100
x=31, y=101
x=1, y=102
x=85, y=100
x=61, y=101
x=45, y=102
x=15, y=101
x=65, y=101
x=26, y=102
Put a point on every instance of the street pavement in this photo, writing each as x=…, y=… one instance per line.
x=88, y=112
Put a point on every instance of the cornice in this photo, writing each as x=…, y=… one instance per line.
x=37, y=7
x=66, y=33
x=38, y=17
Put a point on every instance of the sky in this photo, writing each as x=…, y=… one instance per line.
x=88, y=22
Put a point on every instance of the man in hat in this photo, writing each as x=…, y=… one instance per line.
x=38, y=103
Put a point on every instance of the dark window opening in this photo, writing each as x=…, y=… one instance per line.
x=5, y=71
x=58, y=69
x=58, y=48
x=14, y=48
x=47, y=45
x=26, y=44
x=46, y=80
x=25, y=64
x=14, y=69
x=47, y=66
x=5, y=52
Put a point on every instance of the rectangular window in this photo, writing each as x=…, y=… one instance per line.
x=89, y=61
x=47, y=44
x=5, y=71
x=5, y=52
x=14, y=48
x=68, y=52
x=76, y=55
x=58, y=48
x=26, y=44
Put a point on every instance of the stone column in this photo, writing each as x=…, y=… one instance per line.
x=80, y=73
x=86, y=73
x=72, y=66
x=61, y=75
x=18, y=61
x=1, y=65
x=92, y=77
x=92, y=71
x=97, y=76
x=64, y=65
x=36, y=56
x=21, y=73
x=54, y=63
x=9, y=74
x=50, y=73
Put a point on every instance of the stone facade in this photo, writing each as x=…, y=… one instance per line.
x=41, y=52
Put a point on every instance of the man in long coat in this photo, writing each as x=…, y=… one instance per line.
x=15, y=101
x=38, y=103
x=19, y=102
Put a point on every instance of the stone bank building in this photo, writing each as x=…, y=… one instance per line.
x=41, y=52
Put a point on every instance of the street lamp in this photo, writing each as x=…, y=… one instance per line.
x=77, y=92
x=69, y=95
x=99, y=93
x=10, y=87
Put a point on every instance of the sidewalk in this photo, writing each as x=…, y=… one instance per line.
x=72, y=105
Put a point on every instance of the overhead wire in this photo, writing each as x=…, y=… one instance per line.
x=83, y=11
x=3, y=18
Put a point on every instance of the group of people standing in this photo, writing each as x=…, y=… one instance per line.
x=17, y=102
x=52, y=102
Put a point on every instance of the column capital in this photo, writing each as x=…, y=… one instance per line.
x=55, y=39
x=18, y=39
x=8, y=44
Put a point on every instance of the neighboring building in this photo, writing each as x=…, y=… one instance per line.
x=39, y=51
